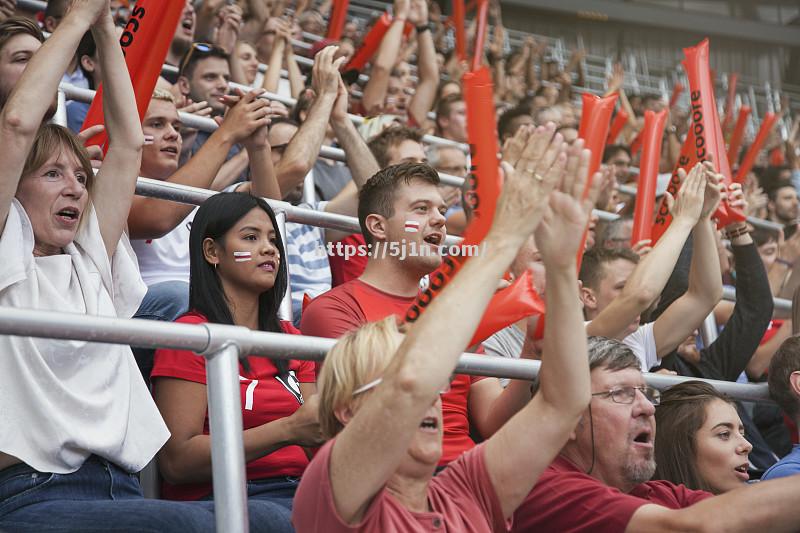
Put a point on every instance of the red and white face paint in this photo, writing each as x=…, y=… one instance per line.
x=241, y=257
x=412, y=226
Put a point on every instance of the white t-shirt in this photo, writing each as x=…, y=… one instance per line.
x=167, y=258
x=63, y=400
x=643, y=344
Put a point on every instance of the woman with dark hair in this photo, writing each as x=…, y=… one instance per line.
x=238, y=277
x=700, y=440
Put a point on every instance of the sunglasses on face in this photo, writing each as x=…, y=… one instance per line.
x=201, y=50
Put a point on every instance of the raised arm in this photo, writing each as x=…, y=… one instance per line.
x=546, y=422
x=263, y=181
x=303, y=149
x=652, y=273
x=427, y=68
x=385, y=58
x=151, y=218
x=33, y=94
x=705, y=279
x=360, y=160
x=750, y=508
x=273, y=74
x=368, y=450
x=115, y=183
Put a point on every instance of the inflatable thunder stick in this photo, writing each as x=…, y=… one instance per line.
x=144, y=41
x=706, y=127
x=369, y=46
x=738, y=134
x=770, y=119
x=338, y=18
x=663, y=216
x=595, y=119
x=616, y=126
x=458, y=22
x=676, y=93
x=480, y=34
x=730, y=102
x=520, y=299
x=652, y=133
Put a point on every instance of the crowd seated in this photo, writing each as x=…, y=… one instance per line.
x=383, y=434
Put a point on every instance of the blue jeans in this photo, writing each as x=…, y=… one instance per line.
x=269, y=504
x=164, y=301
x=99, y=496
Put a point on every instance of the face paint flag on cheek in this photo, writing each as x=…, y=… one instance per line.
x=241, y=257
x=412, y=226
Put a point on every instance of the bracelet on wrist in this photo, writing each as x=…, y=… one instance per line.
x=423, y=28
x=732, y=233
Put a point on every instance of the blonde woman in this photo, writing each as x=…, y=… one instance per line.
x=380, y=389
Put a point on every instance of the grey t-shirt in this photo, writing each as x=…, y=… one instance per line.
x=505, y=343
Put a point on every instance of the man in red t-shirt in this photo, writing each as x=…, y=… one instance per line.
x=403, y=211
x=600, y=480
x=395, y=144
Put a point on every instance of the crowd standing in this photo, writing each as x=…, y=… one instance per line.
x=382, y=435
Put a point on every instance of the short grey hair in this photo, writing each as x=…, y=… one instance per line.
x=611, y=354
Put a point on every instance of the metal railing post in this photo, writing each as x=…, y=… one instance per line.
x=227, y=439
x=60, y=117
x=285, y=310
x=708, y=330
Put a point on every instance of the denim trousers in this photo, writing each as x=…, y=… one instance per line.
x=270, y=504
x=164, y=301
x=99, y=496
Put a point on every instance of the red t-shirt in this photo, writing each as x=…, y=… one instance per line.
x=567, y=499
x=462, y=499
x=343, y=271
x=346, y=307
x=266, y=397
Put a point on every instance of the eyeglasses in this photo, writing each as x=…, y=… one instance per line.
x=376, y=382
x=626, y=395
x=203, y=50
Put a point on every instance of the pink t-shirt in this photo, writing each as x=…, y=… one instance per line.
x=462, y=499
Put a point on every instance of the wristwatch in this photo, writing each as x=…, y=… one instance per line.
x=424, y=27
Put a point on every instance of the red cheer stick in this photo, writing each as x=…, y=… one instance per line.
x=652, y=134
x=145, y=41
x=595, y=120
x=770, y=119
x=372, y=40
x=730, y=102
x=738, y=134
x=663, y=217
x=459, y=14
x=676, y=93
x=480, y=34
x=709, y=142
x=338, y=18
x=616, y=126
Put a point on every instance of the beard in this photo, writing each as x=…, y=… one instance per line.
x=639, y=471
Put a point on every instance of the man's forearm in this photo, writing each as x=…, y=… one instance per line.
x=304, y=147
x=262, y=175
x=428, y=72
x=705, y=278
x=360, y=160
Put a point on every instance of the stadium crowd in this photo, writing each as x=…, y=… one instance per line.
x=382, y=435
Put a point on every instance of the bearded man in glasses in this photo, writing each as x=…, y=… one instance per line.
x=600, y=479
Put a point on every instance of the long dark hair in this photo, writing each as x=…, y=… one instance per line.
x=679, y=416
x=213, y=220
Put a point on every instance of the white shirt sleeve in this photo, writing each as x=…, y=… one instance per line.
x=643, y=343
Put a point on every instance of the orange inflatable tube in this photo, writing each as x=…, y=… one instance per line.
x=652, y=134
x=738, y=134
x=144, y=41
x=459, y=14
x=372, y=40
x=616, y=126
x=770, y=119
x=677, y=90
x=480, y=34
x=338, y=18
